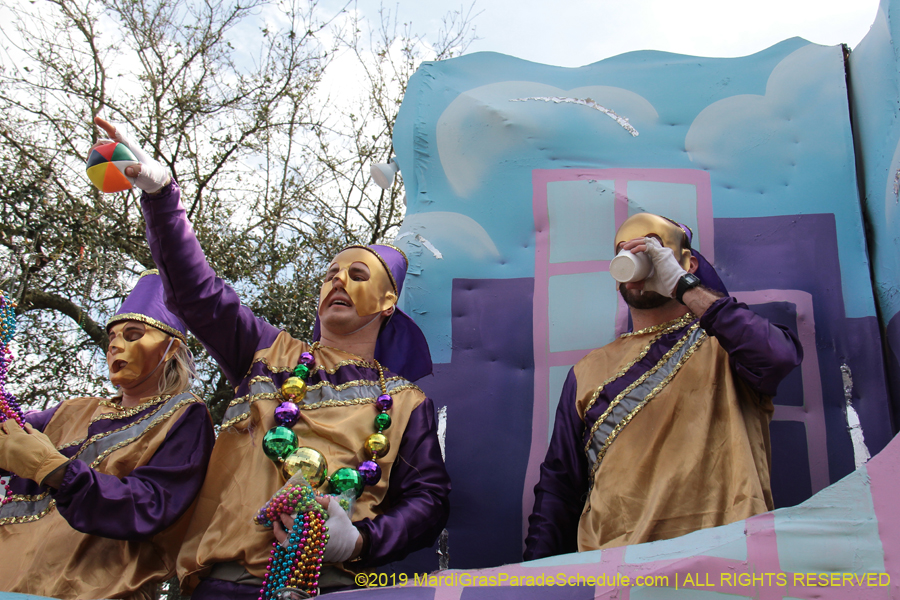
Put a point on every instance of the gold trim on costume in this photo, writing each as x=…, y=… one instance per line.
x=621, y=373
x=667, y=327
x=21, y=498
x=126, y=413
x=29, y=518
x=99, y=436
x=161, y=419
x=331, y=370
x=147, y=321
x=661, y=330
x=653, y=393
x=615, y=402
x=343, y=386
x=129, y=412
x=249, y=400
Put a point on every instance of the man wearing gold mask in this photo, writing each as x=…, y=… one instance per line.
x=356, y=417
x=665, y=430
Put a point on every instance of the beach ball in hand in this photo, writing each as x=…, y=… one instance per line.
x=106, y=167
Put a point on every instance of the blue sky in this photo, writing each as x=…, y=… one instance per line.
x=573, y=33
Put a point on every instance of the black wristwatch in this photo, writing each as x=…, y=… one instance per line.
x=687, y=282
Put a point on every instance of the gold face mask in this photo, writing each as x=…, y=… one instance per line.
x=646, y=224
x=370, y=293
x=135, y=353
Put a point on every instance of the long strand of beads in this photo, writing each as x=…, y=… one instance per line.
x=296, y=565
x=9, y=406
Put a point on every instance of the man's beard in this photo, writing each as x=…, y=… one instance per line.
x=642, y=301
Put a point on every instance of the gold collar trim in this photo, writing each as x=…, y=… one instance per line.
x=667, y=327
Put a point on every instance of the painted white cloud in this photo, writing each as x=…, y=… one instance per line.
x=749, y=137
x=453, y=235
x=485, y=123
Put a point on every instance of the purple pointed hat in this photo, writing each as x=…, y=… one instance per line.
x=401, y=345
x=146, y=303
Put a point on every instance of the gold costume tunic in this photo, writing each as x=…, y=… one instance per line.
x=692, y=450
x=134, y=476
x=336, y=417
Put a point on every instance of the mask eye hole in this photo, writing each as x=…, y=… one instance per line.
x=358, y=271
x=132, y=333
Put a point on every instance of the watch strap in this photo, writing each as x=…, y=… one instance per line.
x=687, y=282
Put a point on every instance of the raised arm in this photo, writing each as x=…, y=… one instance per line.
x=760, y=352
x=208, y=306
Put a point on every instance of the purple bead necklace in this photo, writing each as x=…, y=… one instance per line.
x=9, y=406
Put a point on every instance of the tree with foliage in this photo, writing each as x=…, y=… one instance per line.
x=274, y=171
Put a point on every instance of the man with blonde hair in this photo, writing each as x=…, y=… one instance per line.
x=103, y=488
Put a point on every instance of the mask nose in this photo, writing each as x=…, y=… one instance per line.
x=116, y=345
x=340, y=276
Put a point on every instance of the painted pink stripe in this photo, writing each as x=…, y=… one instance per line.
x=541, y=344
x=884, y=478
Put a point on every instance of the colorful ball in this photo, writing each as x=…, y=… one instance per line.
x=382, y=421
x=384, y=402
x=106, y=167
x=286, y=413
x=377, y=445
x=294, y=389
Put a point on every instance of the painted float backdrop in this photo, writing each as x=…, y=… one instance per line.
x=518, y=174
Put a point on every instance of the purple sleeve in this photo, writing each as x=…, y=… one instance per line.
x=761, y=353
x=418, y=497
x=208, y=306
x=151, y=497
x=561, y=492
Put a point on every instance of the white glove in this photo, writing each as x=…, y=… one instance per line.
x=666, y=270
x=342, y=535
x=152, y=176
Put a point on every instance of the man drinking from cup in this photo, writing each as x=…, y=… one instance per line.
x=665, y=430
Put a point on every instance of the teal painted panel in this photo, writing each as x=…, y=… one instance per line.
x=582, y=220
x=835, y=531
x=575, y=300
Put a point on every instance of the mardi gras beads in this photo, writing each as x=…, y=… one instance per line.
x=282, y=445
x=9, y=406
x=296, y=564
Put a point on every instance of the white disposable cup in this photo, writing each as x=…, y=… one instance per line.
x=628, y=267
